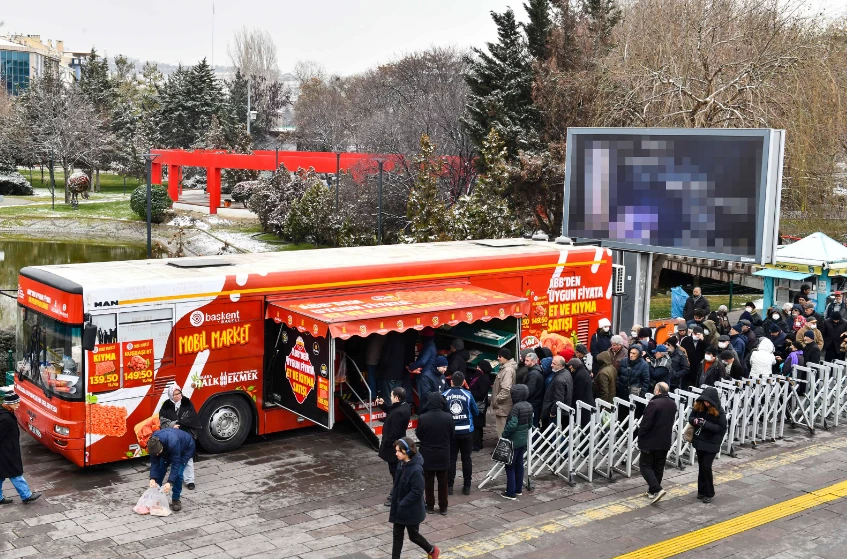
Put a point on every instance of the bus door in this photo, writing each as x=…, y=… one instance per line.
x=300, y=371
x=121, y=392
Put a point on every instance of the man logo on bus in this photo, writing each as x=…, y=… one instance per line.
x=197, y=318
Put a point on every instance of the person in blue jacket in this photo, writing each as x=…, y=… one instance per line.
x=424, y=364
x=170, y=448
x=633, y=374
x=463, y=408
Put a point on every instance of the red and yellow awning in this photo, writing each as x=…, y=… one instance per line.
x=364, y=312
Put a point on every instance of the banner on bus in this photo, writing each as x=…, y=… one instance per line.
x=366, y=312
x=301, y=378
x=66, y=307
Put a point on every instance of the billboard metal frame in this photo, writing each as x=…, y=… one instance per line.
x=768, y=190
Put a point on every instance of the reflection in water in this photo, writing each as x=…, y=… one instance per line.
x=15, y=255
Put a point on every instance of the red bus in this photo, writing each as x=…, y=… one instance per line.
x=257, y=341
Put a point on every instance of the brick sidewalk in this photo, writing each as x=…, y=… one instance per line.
x=315, y=494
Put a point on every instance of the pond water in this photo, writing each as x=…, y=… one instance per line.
x=17, y=254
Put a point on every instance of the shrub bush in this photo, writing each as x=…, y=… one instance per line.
x=313, y=219
x=161, y=202
x=7, y=342
x=196, y=182
x=13, y=183
x=243, y=190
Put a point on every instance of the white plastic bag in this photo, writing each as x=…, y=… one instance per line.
x=153, y=502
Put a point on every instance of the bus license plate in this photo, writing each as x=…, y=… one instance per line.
x=35, y=430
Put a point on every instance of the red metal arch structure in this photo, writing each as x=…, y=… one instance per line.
x=264, y=160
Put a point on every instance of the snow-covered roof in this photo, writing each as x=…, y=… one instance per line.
x=817, y=249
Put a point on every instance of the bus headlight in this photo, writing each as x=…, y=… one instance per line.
x=59, y=430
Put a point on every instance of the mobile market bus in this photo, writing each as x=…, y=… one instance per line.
x=267, y=342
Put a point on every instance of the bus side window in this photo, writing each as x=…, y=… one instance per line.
x=107, y=328
x=154, y=324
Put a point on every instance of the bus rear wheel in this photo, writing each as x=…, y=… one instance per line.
x=226, y=423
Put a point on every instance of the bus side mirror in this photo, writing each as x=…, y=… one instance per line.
x=89, y=337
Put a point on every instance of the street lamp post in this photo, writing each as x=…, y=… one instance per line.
x=337, y=177
x=52, y=180
x=150, y=157
x=381, y=163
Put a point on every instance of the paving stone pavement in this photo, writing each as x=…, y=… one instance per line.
x=315, y=494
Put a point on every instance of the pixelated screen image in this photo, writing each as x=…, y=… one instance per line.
x=685, y=192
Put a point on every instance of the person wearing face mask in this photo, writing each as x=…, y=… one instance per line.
x=731, y=365
x=747, y=332
x=600, y=341
x=617, y=350
x=786, y=312
x=725, y=345
x=750, y=313
x=798, y=320
x=711, y=370
x=775, y=317
x=645, y=338
x=679, y=362
x=696, y=301
x=811, y=325
x=695, y=347
x=660, y=366
x=836, y=306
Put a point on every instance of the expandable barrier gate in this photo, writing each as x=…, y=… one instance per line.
x=602, y=440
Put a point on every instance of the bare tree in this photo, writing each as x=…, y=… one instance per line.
x=253, y=52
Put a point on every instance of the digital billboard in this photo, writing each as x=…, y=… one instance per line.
x=708, y=193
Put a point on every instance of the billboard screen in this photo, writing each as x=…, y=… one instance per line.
x=698, y=192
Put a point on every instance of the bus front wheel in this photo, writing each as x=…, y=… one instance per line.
x=226, y=423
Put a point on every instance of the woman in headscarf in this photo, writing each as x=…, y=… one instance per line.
x=709, y=422
x=178, y=412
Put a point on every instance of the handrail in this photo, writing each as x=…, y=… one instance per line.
x=369, y=403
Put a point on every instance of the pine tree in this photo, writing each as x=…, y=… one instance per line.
x=485, y=213
x=603, y=16
x=538, y=28
x=95, y=83
x=425, y=210
x=500, y=82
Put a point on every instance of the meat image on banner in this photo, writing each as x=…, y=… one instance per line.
x=300, y=379
x=299, y=371
x=138, y=363
x=103, y=367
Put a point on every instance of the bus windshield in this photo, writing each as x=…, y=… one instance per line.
x=49, y=354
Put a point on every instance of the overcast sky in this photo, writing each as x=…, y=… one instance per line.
x=345, y=36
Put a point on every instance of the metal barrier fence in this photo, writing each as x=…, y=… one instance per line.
x=602, y=440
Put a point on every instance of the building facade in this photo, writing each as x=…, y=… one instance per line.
x=25, y=57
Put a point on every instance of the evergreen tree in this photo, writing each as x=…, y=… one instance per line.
x=500, y=82
x=95, y=83
x=485, y=213
x=603, y=15
x=425, y=210
x=538, y=28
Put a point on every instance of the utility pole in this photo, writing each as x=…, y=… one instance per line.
x=379, y=162
x=150, y=157
x=337, y=177
x=52, y=180
x=248, y=105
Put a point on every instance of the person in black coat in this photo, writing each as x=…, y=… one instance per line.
x=600, y=342
x=394, y=425
x=392, y=363
x=435, y=432
x=833, y=335
x=560, y=390
x=457, y=359
x=654, y=439
x=534, y=381
x=583, y=388
x=11, y=464
x=709, y=422
x=407, y=503
x=811, y=351
x=479, y=383
x=696, y=301
x=732, y=366
x=178, y=412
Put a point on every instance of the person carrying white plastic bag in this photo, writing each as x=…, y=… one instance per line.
x=170, y=448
